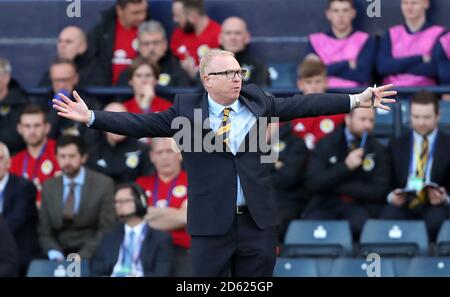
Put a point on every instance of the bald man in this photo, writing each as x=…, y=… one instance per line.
x=122, y=158
x=234, y=37
x=72, y=45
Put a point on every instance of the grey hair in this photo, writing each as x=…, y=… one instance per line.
x=152, y=26
x=5, y=66
x=206, y=59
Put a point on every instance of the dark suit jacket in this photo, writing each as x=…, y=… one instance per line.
x=95, y=215
x=20, y=214
x=400, y=150
x=9, y=262
x=328, y=177
x=156, y=253
x=212, y=176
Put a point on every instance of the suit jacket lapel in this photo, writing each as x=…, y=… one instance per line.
x=405, y=160
x=439, y=155
x=84, y=197
x=57, y=199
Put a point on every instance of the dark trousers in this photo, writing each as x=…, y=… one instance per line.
x=182, y=262
x=335, y=209
x=433, y=216
x=244, y=251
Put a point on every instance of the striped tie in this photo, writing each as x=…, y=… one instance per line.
x=420, y=173
x=225, y=126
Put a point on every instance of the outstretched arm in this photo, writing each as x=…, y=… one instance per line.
x=135, y=125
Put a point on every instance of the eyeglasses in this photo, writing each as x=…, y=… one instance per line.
x=231, y=74
x=123, y=201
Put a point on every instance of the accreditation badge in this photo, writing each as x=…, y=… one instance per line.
x=132, y=161
x=179, y=191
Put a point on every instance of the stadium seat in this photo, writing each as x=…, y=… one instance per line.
x=318, y=239
x=394, y=238
x=288, y=267
x=429, y=267
x=384, y=124
x=46, y=268
x=443, y=240
x=351, y=267
x=283, y=75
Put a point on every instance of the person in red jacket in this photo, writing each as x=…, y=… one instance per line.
x=312, y=78
x=37, y=162
x=195, y=35
x=143, y=79
x=167, y=199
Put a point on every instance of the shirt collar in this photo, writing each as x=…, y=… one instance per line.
x=4, y=181
x=349, y=137
x=78, y=180
x=431, y=137
x=216, y=108
x=136, y=229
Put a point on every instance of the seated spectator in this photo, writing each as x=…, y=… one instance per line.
x=120, y=157
x=404, y=56
x=234, y=37
x=64, y=78
x=348, y=54
x=195, y=35
x=18, y=208
x=419, y=157
x=348, y=173
x=9, y=263
x=113, y=40
x=153, y=45
x=441, y=56
x=132, y=248
x=143, y=79
x=37, y=162
x=76, y=207
x=72, y=45
x=312, y=78
x=12, y=101
x=167, y=199
x=288, y=176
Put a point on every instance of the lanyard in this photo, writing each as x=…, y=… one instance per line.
x=137, y=249
x=414, y=155
x=156, y=188
x=25, y=163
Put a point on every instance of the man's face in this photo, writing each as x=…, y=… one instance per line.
x=423, y=118
x=314, y=84
x=124, y=202
x=143, y=76
x=340, y=15
x=112, y=137
x=63, y=77
x=219, y=86
x=360, y=120
x=33, y=128
x=152, y=46
x=163, y=155
x=183, y=17
x=414, y=9
x=5, y=163
x=70, y=43
x=234, y=36
x=133, y=14
x=70, y=160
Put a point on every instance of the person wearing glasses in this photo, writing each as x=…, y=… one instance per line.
x=232, y=210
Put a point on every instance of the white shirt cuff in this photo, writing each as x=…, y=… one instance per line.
x=91, y=121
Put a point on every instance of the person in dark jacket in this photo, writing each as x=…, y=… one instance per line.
x=348, y=173
x=132, y=248
x=113, y=39
x=9, y=263
x=12, y=101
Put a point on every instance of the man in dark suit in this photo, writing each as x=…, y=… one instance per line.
x=348, y=173
x=18, y=208
x=76, y=207
x=232, y=211
x=133, y=248
x=9, y=262
x=419, y=157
